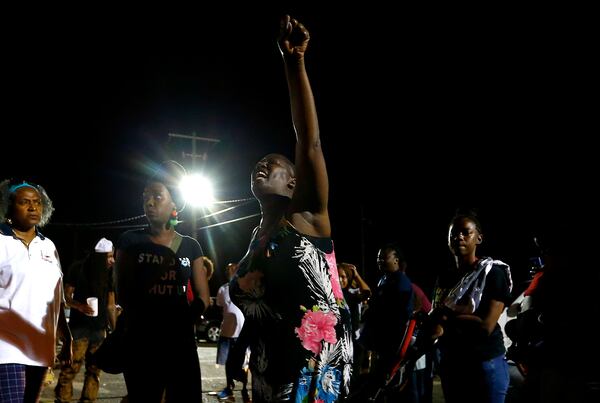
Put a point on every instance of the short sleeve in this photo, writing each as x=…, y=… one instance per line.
x=190, y=248
x=497, y=285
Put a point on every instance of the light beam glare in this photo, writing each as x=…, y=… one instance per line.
x=197, y=190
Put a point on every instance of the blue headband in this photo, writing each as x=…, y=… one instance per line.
x=14, y=188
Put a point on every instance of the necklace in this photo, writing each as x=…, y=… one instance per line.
x=20, y=237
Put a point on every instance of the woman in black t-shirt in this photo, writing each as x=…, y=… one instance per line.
x=154, y=267
x=468, y=302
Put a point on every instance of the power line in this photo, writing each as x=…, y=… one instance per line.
x=194, y=137
x=222, y=211
x=234, y=201
x=93, y=224
x=230, y=221
x=109, y=224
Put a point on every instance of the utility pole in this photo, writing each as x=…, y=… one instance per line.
x=363, y=231
x=194, y=156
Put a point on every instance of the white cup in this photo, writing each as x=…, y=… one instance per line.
x=93, y=302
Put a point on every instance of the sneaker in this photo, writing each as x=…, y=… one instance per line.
x=225, y=394
x=246, y=396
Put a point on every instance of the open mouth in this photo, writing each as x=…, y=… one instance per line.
x=260, y=174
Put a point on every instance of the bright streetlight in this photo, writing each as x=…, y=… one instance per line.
x=197, y=190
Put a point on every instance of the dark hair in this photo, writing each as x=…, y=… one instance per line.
x=469, y=214
x=170, y=173
x=395, y=247
x=347, y=268
x=8, y=189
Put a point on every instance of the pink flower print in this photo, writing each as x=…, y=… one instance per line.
x=333, y=276
x=315, y=327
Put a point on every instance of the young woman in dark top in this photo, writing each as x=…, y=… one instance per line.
x=154, y=266
x=468, y=301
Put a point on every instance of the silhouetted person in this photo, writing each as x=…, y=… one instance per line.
x=390, y=309
x=231, y=326
x=567, y=306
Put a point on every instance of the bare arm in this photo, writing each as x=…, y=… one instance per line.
x=312, y=186
x=111, y=309
x=200, y=283
x=365, y=290
x=488, y=322
x=123, y=278
x=66, y=352
x=441, y=315
x=73, y=304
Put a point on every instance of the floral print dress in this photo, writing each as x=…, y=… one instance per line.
x=297, y=321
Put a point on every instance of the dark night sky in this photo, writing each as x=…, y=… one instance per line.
x=420, y=112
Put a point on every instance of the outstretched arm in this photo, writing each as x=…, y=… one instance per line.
x=312, y=185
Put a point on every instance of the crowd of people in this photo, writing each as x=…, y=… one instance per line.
x=304, y=327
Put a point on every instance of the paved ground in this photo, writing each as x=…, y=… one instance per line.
x=112, y=387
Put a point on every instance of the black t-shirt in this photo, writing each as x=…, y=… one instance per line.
x=151, y=284
x=91, y=278
x=390, y=309
x=464, y=340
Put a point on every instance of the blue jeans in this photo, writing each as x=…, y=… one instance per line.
x=474, y=381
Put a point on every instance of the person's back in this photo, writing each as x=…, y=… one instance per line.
x=229, y=352
x=233, y=318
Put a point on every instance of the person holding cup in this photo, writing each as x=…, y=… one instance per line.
x=89, y=292
x=93, y=302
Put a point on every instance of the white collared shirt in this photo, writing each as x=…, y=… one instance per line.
x=30, y=297
x=233, y=318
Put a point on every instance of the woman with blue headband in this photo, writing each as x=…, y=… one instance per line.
x=31, y=294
